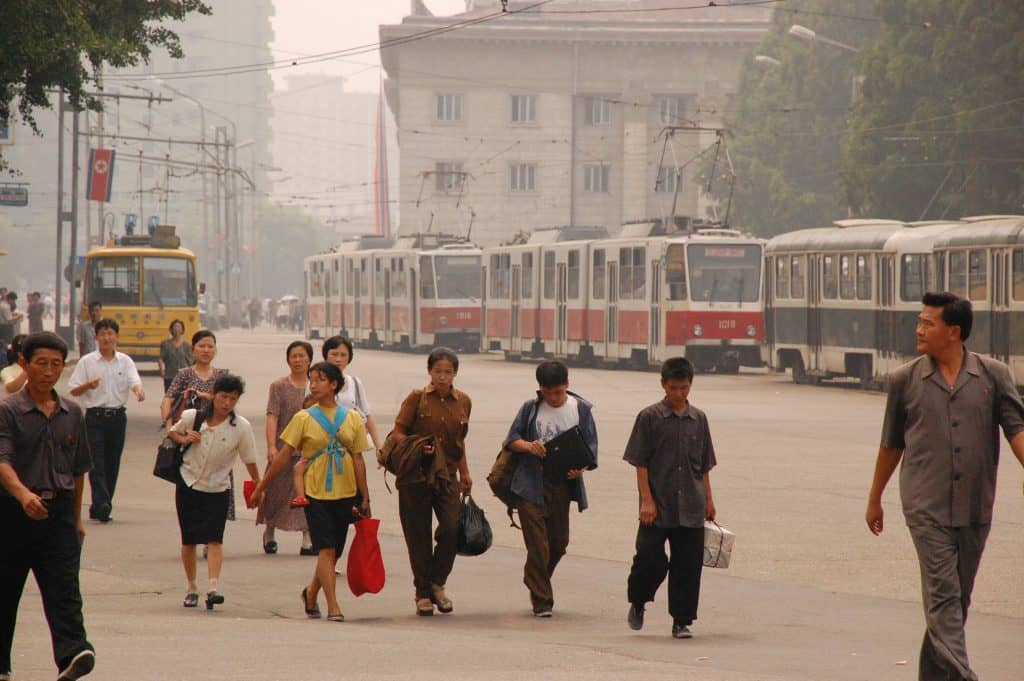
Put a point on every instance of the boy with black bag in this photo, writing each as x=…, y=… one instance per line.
x=671, y=448
x=543, y=504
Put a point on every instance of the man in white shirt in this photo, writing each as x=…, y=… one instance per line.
x=102, y=380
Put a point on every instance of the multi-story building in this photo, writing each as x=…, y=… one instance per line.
x=557, y=114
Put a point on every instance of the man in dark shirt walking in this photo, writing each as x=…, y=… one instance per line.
x=44, y=456
x=942, y=419
x=671, y=448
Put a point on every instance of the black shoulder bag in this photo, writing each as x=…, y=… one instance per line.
x=169, y=455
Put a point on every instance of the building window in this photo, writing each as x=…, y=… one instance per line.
x=595, y=178
x=669, y=180
x=671, y=110
x=597, y=111
x=524, y=108
x=521, y=177
x=448, y=177
x=449, y=107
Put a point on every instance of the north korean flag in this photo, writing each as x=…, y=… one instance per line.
x=101, y=175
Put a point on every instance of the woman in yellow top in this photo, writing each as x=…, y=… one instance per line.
x=335, y=479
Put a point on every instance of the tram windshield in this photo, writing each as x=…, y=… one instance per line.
x=724, y=273
x=458, y=276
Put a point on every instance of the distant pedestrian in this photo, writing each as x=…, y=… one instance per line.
x=942, y=419
x=338, y=350
x=10, y=318
x=12, y=375
x=102, y=380
x=86, y=331
x=283, y=402
x=175, y=353
x=203, y=492
x=44, y=456
x=192, y=388
x=671, y=448
x=438, y=413
x=35, y=311
x=544, y=505
x=331, y=440
x=254, y=313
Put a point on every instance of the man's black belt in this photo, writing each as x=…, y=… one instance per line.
x=105, y=412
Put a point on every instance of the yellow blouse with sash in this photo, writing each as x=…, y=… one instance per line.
x=307, y=437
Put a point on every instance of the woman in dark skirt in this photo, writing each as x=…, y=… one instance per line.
x=203, y=491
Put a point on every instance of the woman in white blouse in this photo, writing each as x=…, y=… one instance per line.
x=201, y=497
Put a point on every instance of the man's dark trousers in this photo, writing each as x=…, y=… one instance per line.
x=546, y=534
x=650, y=565
x=51, y=550
x=106, y=429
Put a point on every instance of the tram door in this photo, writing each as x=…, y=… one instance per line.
x=813, y=311
x=515, y=341
x=388, y=274
x=1000, y=303
x=611, y=332
x=561, y=314
x=654, y=341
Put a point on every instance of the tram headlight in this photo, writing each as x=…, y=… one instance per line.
x=751, y=330
x=698, y=330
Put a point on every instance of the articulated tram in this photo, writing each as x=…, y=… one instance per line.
x=843, y=301
x=638, y=298
x=415, y=292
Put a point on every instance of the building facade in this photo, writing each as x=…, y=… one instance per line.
x=558, y=114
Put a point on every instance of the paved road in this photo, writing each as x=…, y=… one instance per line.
x=811, y=594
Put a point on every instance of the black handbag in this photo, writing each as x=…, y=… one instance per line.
x=169, y=455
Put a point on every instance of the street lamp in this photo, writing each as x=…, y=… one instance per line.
x=808, y=36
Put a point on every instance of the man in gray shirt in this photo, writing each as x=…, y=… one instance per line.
x=44, y=456
x=942, y=418
x=87, y=329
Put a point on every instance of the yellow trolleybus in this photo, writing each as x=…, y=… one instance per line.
x=144, y=283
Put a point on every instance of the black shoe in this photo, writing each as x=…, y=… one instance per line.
x=308, y=551
x=80, y=665
x=270, y=547
x=680, y=630
x=636, y=617
x=103, y=512
x=213, y=598
x=191, y=600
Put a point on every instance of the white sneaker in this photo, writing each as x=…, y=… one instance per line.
x=80, y=665
x=542, y=613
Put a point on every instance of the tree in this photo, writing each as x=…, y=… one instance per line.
x=49, y=44
x=785, y=133
x=288, y=235
x=938, y=132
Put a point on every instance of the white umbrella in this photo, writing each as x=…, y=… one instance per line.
x=289, y=298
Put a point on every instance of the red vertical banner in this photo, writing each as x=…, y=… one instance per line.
x=101, y=175
x=381, y=195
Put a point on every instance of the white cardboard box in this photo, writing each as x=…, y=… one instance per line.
x=718, y=543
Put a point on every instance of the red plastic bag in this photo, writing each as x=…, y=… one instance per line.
x=365, y=565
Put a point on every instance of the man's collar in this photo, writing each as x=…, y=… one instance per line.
x=971, y=364
x=665, y=410
x=26, y=403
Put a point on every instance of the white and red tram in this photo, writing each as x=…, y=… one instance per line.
x=639, y=298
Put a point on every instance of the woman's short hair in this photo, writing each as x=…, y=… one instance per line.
x=299, y=344
x=337, y=341
x=229, y=383
x=176, y=321
x=437, y=354
x=330, y=372
x=201, y=334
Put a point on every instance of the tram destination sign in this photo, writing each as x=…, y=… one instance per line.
x=13, y=196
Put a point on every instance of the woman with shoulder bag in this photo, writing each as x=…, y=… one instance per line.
x=440, y=412
x=202, y=494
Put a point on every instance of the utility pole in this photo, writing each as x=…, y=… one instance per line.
x=218, y=180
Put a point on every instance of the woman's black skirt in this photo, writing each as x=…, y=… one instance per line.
x=201, y=515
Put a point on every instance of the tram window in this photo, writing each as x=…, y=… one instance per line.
x=378, y=279
x=599, y=274
x=364, y=278
x=350, y=277
x=549, y=275
x=978, y=275
x=500, y=264
x=863, y=277
x=574, y=274
x=527, y=284
x=940, y=272
x=796, y=276
x=781, y=277
x=639, y=273
x=1018, y=274
x=913, y=277
x=675, y=272
x=335, y=279
x=426, y=277
x=958, y=273
x=846, y=278
x=625, y=274
x=829, y=281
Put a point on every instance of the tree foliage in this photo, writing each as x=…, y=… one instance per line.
x=785, y=131
x=287, y=236
x=940, y=129
x=48, y=44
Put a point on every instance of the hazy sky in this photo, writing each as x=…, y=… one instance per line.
x=304, y=27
